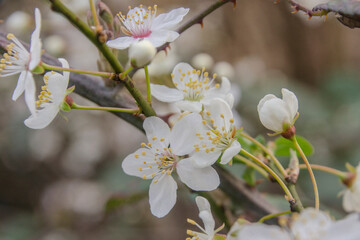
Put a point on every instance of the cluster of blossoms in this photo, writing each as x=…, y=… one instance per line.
x=204, y=133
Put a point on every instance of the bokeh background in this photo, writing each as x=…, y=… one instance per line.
x=65, y=182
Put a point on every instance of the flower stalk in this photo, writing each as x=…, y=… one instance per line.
x=101, y=74
x=249, y=163
x=308, y=166
x=148, y=89
x=110, y=109
x=342, y=175
x=273, y=215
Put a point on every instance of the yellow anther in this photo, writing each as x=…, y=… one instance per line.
x=198, y=134
x=206, y=74
x=208, y=113
x=191, y=221
x=196, y=145
x=136, y=155
x=140, y=169
x=191, y=233
x=154, y=138
x=212, y=120
x=153, y=175
x=143, y=144
x=217, y=85
x=204, y=145
x=222, y=115
x=231, y=120
x=144, y=177
x=214, y=75
x=183, y=74
x=10, y=36
x=198, y=72
x=208, y=133
x=197, y=149
x=172, y=75
x=129, y=7
x=143, y=153
x=155, y=181
x=203, y=122
x=162, y=139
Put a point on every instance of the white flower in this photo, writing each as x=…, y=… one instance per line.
x=310, y=224
x=193, y=89
x=141, y=53
x=141, y=23
x=205, y=214
x=351, y=196
x=278, y=114
x=19, y=60
x=162, y=155
x=216, y=136
x=50, y=99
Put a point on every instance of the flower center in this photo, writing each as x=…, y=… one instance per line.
x=16, y=59
x=196, y=83
x=215, y=138
x=164, y=161
x=45, y=94
x=137, y=23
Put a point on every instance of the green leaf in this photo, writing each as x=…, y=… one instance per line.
x=65, y=107
x=249, y=176
x=348, y=11
x=283, y=146
x=116, y=202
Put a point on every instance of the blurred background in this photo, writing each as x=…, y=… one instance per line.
x=65, y=182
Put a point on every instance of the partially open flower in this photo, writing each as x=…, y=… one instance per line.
x=142, y=23
x=351, y=196
x=278, y=114
x=19, y=60
x=141, y=53
x=51, y=98
x=208, y=232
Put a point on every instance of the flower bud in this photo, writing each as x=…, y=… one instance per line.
x=278, y=114
x=202, y=60
x=105, y=14
x=141, y=53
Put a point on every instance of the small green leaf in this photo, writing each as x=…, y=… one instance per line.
x=283, y=146
x=249, y=176
x=70, y=90
x=38, y=70
x=65, y=107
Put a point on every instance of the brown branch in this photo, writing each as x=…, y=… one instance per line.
x=299, y=7
x=89, y=88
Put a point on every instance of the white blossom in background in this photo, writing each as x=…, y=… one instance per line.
x=19, y=60
x=141, y=53
x=50, y=99
x=55, y=45
x=209, y=231
x=224, y=69
x=162, y=155
x=18, y=22
x=142, y=23
x=351, y=196
x=202, y=60
x=216, y=135
x=310, y=224
x=193, y=88
x=278, y=114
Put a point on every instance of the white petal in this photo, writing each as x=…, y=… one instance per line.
x=291, y=100
x=162, y=195
x=218, y=107
x=203, y=159
x=259, y=231
x=35, y=45
x=169, y=20
x=43, y=117
x=351, y=200
x=30, y=91
x=230, y=152
x=273, y=114
x=159, y=37
x=311, y=224
x=264, y=100
x=166, y=94
x=183, y=134
x=229, y=98
x=134, y=165
x=347, y=229
x=157, y=132
x=189, y=106
x=202, y=203
x=198, y=179
x=177, y=72
x=65, y=64
x=121, y=42
x=20, y=86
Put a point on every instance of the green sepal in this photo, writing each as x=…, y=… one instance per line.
x=350, y=167
x=65, y=107
x=38, y=70
x=218, y=237
x=69, y=90
x=283, y=146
